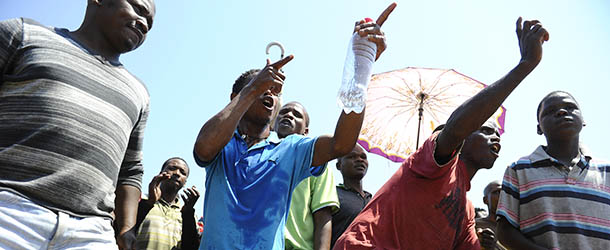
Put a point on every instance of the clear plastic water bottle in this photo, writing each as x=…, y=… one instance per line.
x=357, y=71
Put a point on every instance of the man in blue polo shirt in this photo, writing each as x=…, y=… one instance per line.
x=250, y=175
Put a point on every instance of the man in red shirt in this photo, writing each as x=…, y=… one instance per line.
x=423, y=205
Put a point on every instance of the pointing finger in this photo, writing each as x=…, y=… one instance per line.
x=519, y=27
x=384, y=15
x=279, y=64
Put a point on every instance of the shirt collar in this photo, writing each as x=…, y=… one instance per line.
x=272, y=139
x=175, y=203
x=353, y=190
x=540, y=155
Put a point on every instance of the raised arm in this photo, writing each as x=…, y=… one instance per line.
x=469, y=116
x=348, y=126
x=217, y=131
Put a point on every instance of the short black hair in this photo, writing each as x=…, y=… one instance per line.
x=547, y=97
x=244, y=79
x=171, y=159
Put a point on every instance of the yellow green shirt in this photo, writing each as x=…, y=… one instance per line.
x=162, y=227
x=309, y=196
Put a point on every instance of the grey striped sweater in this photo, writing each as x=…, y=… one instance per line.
x=71, y=123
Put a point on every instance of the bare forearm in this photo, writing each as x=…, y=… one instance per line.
x=322, y=228
x=469, y=116
x=126, y=207
x=342, y=142
x=513, y=239
x=217, y=131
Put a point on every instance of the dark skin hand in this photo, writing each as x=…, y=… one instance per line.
x=487, y=238
x=348, y=127
x=469, y=116
x=154, y=187
x=512, y=238
x=190, y=197
x=372, y=30
x=217, y=131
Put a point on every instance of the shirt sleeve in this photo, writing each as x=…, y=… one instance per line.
x=508, y=205
x=11, y=37
x=424, y=164
x=227, y=155
x=324, y=192
x=302, y=154
x=131, y=169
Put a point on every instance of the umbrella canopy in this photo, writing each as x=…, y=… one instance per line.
x=403, y=105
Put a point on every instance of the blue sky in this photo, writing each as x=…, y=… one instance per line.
x=196, y=50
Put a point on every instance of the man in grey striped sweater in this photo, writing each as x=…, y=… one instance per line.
x=71, y=126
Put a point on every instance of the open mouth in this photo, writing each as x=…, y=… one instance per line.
x=137, y=29
x=268, y=102
x=495, y=148
x=285, y=122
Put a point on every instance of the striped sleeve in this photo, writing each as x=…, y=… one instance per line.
x=131, y=168
x=11, y=36
x=508, y=205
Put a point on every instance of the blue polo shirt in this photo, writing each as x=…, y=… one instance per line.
x=248, y=191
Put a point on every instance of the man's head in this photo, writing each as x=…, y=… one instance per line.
x=178, y=170
x=491, y=195
x=292, y=119
x=559, y=116
x=263, y=110
x=353, y=165
x=481, y=147
x=122, y=23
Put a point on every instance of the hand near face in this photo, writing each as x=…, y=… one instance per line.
x=531, y=36
x=154, y=187
x=190, y=197
x=372, y=30
x=270, y=78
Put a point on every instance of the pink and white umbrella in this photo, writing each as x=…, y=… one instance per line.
x=404, y=104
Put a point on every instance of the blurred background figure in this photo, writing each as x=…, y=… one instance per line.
x=164, y=223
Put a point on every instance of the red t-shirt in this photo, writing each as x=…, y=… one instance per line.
x=423, y=206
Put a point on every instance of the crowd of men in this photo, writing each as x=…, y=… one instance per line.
x=71, y=129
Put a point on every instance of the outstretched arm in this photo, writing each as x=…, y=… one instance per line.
x=217, y=131
x=512, y=238
x=469, y=116
x=348, y=126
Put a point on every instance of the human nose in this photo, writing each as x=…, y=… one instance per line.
x=495, y=138
x=561, y=112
